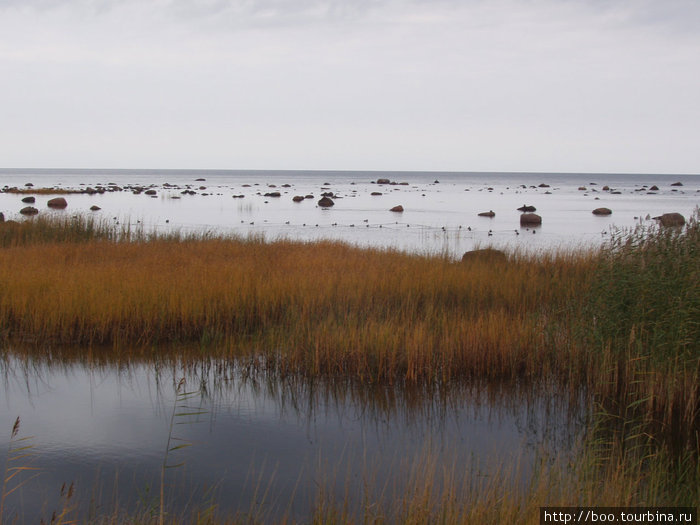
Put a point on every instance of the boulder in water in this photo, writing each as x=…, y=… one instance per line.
x=530, y=219
x=671, y=219
x=58, y=203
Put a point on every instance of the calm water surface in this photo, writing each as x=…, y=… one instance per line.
x=105, y=429
x=440, y=208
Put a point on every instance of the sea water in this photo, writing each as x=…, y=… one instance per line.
x=440, y=209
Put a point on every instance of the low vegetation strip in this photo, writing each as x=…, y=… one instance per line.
x=43, y=191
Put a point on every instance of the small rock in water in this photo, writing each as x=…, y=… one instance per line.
x=29, y=210
x=398, y=208
x=602, y=211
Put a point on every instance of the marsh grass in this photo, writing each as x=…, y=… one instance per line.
x=181, y=409
x=620, y=324
x=320, y=307
x=644, y=336
x=18, y=459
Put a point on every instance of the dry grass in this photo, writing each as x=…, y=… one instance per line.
x=317, y=308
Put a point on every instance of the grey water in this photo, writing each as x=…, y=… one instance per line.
x=257, y=441
x=440, y=209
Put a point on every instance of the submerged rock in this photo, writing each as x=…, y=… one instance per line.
x=326, y=202
x=57, y=203
x=602, y=211
x=671, y=219
x=298, y=198
x=95, y=208
x=484, y=254
x=677, y=184
x=489, y=213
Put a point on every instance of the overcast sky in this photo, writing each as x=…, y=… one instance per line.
x=463, y=85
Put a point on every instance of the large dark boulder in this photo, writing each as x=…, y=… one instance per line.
x=326, y=202
x=57, y=203
x=29, y=200
x=671, y=219
x=484, y=254
x=530, y=219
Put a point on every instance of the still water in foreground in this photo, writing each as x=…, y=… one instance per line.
x=256, y=441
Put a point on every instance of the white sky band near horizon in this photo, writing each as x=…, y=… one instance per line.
x=471, y=85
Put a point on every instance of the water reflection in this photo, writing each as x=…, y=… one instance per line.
x=259, y=441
